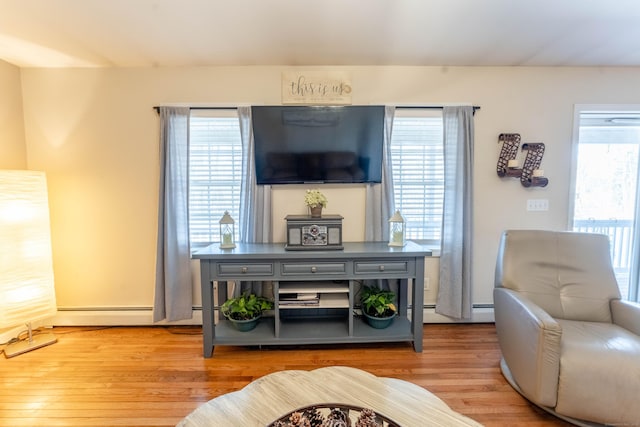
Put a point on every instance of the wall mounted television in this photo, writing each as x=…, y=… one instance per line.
x=318, y=144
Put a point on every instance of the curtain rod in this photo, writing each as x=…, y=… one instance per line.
x=422, y=107
x=157, y=108
x=429, y=107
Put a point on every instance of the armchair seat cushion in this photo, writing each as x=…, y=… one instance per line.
x=599, y=373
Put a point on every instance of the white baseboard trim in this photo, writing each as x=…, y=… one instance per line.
x=100, y=317
x=144, y=317
x=478, y=315
x=117, y=317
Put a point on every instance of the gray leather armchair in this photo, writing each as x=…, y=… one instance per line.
x=569, y=343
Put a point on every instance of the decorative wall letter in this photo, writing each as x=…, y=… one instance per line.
x=316, y=87
x=530, y=173
x=507, y=162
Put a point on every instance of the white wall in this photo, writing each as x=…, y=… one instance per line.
x=96, y=134
x=13, y=154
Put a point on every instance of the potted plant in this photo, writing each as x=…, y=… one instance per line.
x=378, y=307
x=245, y=311
x=315, y=200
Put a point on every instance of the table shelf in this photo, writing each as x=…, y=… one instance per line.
x=330, y=274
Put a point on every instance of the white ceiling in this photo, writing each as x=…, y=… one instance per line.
x=158, y=33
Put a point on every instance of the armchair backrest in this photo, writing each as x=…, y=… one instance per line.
x=568, y=274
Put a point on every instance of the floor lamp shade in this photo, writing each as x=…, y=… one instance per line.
x=27, y=291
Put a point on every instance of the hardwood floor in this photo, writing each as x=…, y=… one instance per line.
x=154, y=376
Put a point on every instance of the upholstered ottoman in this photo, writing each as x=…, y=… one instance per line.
x=273, y=396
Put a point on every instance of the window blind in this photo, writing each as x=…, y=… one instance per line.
x=215, y=172
x=417, y=158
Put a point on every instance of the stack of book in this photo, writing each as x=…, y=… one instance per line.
x=299, y=299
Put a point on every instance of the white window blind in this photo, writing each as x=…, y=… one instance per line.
x=215, y=172
x=418, y=171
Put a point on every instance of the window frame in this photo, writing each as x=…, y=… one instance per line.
x=633, y=291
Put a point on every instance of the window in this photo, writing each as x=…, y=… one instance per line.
x=606, y=185
x=417, y=157
x=215, y=171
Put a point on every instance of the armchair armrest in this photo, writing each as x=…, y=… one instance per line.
x=530, y=342
x=626, y=314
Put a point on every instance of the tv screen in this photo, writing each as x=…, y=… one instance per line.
x=306, y=144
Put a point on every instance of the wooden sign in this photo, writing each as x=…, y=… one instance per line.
x=316, y=87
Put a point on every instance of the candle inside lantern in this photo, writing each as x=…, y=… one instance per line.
x=396, y=230
x=226, y=239
x=513, y=163
x=227, y=231
x=538, y=173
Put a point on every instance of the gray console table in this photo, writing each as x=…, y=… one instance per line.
x=330, y=273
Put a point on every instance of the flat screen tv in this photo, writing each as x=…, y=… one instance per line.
x=308, y=144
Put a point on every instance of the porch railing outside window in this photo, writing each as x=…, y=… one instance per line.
x=620, y=239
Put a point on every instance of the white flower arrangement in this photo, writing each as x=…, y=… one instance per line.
x=313, y=198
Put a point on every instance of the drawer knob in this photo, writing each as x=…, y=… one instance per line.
x=244, y=270
x=381, y=268
x=314, y=269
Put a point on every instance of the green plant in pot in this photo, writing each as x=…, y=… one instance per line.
x=245, y=311
x=378, y=306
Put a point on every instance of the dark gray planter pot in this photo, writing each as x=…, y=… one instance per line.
x=379, y=322
x=245, y=325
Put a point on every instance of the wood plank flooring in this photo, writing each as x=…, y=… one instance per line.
x=154, y=376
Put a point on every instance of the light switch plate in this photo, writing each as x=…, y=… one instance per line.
x=538, y=204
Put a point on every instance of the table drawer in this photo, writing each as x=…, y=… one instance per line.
x=316, y=268
x=381, y=267
x=245, y=269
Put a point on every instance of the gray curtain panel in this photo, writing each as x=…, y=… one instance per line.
x=255, y=200
x=173, y=297
x=379, y=197
x=380, y=205
x=255, y=204
x=454, y=294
